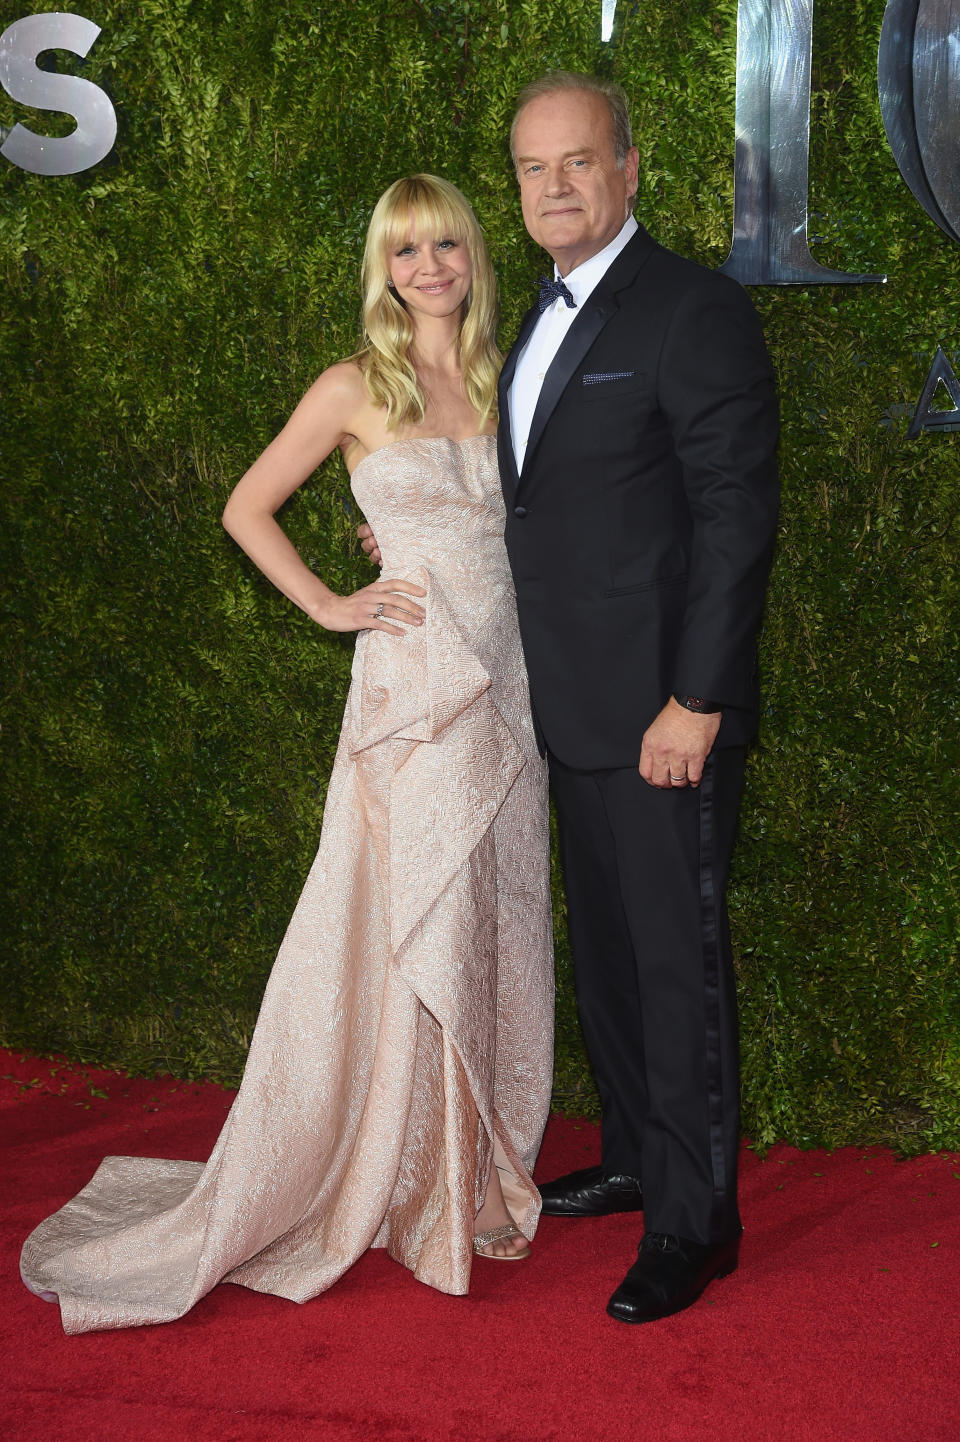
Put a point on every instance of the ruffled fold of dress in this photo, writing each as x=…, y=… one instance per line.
x=463, y=760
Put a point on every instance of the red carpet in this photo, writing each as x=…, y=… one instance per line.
x=843, y=1321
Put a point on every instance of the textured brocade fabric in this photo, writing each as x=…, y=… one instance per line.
x=405, y=1035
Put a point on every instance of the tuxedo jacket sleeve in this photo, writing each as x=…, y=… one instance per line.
x=641, y=529
x=715, y=389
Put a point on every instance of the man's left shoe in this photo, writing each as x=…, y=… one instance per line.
x=591, y=1192
x=670, y=1273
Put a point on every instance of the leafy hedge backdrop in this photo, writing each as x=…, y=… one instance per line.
x=169, y=720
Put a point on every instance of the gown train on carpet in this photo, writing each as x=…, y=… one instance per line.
x=405, y=1034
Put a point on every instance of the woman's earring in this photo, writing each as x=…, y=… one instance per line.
x=390, y=285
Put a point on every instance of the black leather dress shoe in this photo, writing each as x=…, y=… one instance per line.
x=670, y=1273
x=591, y=1192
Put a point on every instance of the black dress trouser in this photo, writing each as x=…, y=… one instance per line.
x=646, y=874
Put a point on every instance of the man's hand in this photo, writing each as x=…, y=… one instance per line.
x=676, y=746
x=368, y=544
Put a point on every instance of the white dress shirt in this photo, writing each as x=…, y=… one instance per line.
x=548, y=333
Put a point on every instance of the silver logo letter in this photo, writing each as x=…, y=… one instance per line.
x=20, y=44
x=927, y=417
x=919, y=78
x=770, y=247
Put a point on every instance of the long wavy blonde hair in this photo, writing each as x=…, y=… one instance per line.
x=425, y=205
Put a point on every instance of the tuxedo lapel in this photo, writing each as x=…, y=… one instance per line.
x=595, y=312
x=508, y=461
x=513, y=355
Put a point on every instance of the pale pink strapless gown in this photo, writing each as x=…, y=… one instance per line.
x=405, y=1033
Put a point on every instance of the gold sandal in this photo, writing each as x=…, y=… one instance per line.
x=500, y=1234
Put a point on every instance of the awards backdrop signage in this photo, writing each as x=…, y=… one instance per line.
x=169, y=719
x=21, y=45
x=919, y=77
x=919, y=82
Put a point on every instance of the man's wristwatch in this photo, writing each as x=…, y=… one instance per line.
x=698, y=704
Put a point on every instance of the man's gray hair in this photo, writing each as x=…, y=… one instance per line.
x=608, y=91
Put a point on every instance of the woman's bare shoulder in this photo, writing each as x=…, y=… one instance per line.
x=335, y=405
x=341, y=384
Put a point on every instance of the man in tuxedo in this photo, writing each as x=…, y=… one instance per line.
x=638, y=427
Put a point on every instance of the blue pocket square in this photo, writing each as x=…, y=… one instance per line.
x=597, y=378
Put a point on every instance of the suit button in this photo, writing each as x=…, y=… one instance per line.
x=520, y=511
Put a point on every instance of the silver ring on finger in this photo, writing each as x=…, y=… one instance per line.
x=378, y=613
x=677, y=778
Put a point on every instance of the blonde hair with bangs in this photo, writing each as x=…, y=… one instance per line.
x=427, y=206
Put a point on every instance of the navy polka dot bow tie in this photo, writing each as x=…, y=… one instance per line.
x=551, y=290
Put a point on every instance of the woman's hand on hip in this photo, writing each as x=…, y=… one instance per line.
x=381, y=606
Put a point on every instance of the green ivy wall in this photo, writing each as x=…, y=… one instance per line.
x=169, y=720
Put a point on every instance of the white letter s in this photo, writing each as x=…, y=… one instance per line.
x=20, y=45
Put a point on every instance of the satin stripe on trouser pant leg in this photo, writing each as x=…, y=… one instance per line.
x=646, y=873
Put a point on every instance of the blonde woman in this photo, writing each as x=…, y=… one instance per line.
x=398, y=1081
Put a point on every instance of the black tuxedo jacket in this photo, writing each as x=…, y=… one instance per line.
x=641, y=529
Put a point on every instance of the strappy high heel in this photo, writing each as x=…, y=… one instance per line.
x=500, y=1234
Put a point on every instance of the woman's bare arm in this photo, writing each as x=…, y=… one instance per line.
x=324, y=419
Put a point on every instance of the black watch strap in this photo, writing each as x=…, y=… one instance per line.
x=698, y=704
